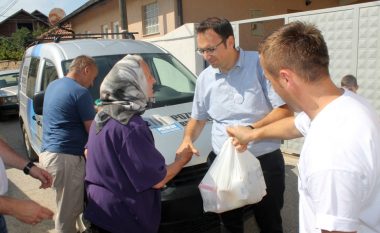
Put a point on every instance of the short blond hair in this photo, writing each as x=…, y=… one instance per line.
x=297, y=46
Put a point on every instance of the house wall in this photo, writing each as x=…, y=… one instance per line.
x=91, y=20
x=194, y=11
x=197, y=10
x=167, y=17
x=9, y=26
x=108, y=12
x=6, y=29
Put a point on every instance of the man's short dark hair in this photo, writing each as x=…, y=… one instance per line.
x=349, y=81
x=222, y=27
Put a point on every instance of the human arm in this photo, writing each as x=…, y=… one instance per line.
x=143, y=163
x=26, y=211
x=281, y=129
x=13, y=159
x=185, y=150
x=87, y=125
x=193, y=130
x=173, y=169
x=274, y=115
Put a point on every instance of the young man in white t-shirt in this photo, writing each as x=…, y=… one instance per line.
x=339, y=166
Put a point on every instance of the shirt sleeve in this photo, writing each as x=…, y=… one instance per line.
x=199, y=110
x=85, y=106
x=338, y=197
x=302, y=123
x=143, y=163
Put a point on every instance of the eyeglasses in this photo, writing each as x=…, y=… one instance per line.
x=210, y=50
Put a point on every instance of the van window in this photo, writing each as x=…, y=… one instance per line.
x=175, y=84
x=177, y=79
x=49, y=74
x=32, y=76
x=104, y=63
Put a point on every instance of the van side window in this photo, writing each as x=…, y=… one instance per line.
x=49, y=74
x=32, y=76
x=177, y=80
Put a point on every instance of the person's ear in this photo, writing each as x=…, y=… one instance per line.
x=230, y=42
x=87, y=69
x=284, y=77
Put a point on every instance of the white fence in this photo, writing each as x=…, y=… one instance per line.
x=352, y=34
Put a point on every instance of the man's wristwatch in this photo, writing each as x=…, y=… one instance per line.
x=28, y=167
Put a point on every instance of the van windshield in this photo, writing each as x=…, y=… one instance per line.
x=175, y=84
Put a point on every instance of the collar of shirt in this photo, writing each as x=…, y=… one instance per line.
x=239, y=63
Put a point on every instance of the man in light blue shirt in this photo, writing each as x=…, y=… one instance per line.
x=232, y=91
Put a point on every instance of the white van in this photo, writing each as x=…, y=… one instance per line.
x=174, y=90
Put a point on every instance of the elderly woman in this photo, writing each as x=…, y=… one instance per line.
x=124, y=170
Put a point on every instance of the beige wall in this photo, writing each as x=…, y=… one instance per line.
x=196, y=10
x=108, y=12
x=166, y=19
x=91, y=19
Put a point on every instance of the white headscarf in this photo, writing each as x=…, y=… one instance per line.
x=123, y=92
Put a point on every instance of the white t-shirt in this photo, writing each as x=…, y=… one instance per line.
x=3, y=178
x=339, y=168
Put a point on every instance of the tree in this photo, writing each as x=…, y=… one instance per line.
x=13, y=48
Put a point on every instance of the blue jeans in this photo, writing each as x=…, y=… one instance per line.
x=3, y=225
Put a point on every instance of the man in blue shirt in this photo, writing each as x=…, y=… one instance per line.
x=67, y=115
x=231, y=91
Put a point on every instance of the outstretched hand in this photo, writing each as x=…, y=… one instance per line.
x=42, y=175
x=30, y=212
x=187, y=148
x=185, y=151
x=240, y=136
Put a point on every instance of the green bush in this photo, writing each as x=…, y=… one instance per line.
x=13, y=48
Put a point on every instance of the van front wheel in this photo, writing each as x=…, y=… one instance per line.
x=32, y=156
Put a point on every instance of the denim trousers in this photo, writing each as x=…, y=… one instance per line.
x=268, y=211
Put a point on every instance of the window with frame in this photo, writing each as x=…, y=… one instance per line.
x=105, y=30
x=116, y=29
x=32, y=76
x=150, y=14
x=49, y=74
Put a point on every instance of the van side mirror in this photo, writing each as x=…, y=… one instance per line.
x=38, y=102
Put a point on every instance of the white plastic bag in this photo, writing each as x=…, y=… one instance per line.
x=234, y=180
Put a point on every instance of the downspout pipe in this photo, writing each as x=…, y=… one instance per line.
x=180, y=12
x=123, y=17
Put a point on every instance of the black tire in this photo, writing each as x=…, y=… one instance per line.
x=32, y=156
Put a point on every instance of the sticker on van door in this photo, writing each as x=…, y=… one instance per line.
x=163, y=124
